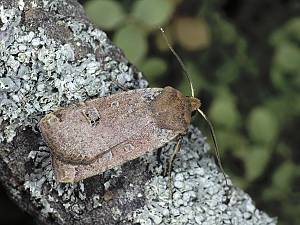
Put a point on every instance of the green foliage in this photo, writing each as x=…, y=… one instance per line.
x=154, y=13
x=224, y=113
x=251, y=95
x=226, y=31
x=283, y=176
x=262, y=126
x=228, y=72
x=154, y=68
x=132, y=41
x=258, y=156
x=107, y=14
x=287, y=57
x=285, y=71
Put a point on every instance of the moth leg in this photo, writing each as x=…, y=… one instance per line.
x=169, y=171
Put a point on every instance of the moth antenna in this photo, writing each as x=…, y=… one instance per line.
x=211, y=128
x=179, y=60
x=217, y=152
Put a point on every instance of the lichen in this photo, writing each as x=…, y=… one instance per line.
x=39, y=74
x=200, y=194
x=72, y=194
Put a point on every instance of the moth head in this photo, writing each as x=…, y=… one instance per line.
x=195, y=103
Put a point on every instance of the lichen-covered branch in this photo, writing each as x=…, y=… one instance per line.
x=52, y=56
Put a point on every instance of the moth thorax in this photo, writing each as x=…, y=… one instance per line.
x=195, y=103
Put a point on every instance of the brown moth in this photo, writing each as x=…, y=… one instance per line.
x=96, y=135
x=91, y=137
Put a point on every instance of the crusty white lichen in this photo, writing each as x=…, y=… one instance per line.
x=45, y=191
x=39, y=74
x=200, y=194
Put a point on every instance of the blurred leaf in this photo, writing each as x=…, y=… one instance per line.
x=286, y=106
x=153, y=68
x=256, y=161
x=283, y=176
x=278, y=79
x=287, y=57
x=285, y=69
x=223, y=112
x=154, y=13
x=262, y=126
x=227, y=72
x=224, y=31
x=283, y=150
x=107, y=14
x=290, y=31
x=192, y=33
x=133, y=42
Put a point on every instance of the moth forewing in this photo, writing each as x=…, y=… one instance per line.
x=91, y=137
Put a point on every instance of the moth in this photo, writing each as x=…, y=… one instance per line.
x=91, y=137
x=96, y=135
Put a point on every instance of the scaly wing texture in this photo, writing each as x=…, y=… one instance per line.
x=150, y=138
x=82, y=132
x=96, y=135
